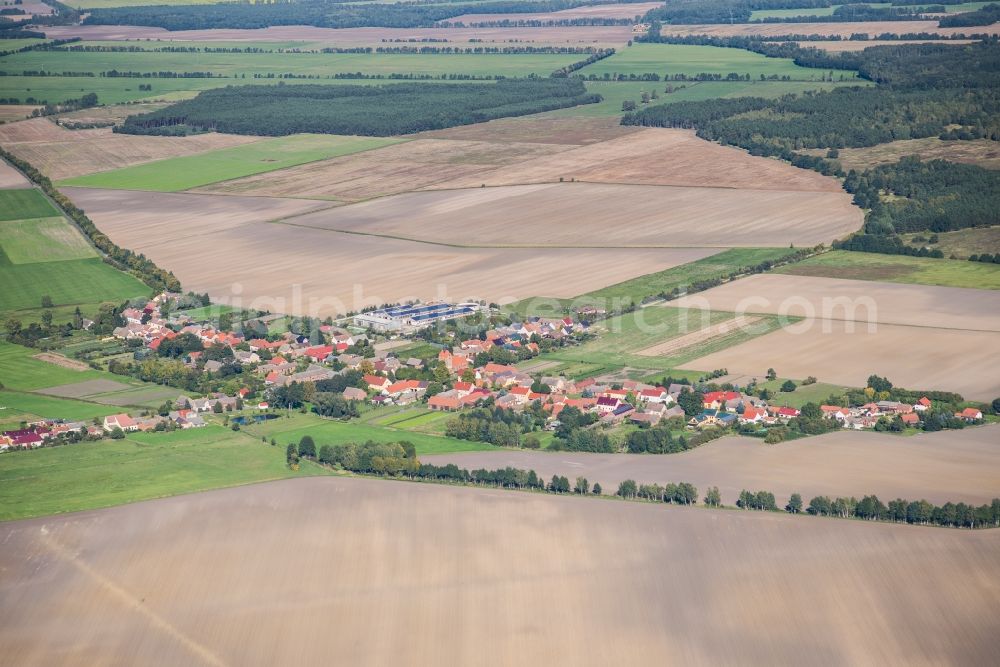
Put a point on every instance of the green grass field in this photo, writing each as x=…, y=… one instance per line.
x=15, y=44
x=696, y=59
x=42, y=254
x=267, y=64
x=818, y=392
x=76, y=281
x=183, y=173
x=328, y=432
x=42, y=240
x=19, y=371
x=207, y=312
x=143, y=466
x=115, y=90
x=18, y=406
x=23, y=204
x=898, y=269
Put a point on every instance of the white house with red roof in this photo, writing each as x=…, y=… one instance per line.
x=122, y=421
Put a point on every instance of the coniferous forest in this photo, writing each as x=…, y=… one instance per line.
x=946, y=91
x=362, y=110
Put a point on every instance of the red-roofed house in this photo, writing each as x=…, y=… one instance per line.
x=753, y=415
x=715, y=400
x=923, y=404
x=377, y=382
x=319, y=352
x=122, y=421
x=446, y=400
x=970, y=414
x=608, y=404
x=654, y=395
x=910, y=418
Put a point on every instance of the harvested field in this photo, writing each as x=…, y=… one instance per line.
x=12, y=112
x=914, y=357
x=921, y=306
x=11, y=178
x=955, y=466
x=114, y=113
x=982, y=152
x=87, y=388
x=871, y=28
x=580, y=215
x=538, y=130
x=300, y=270
x=702, y=336
x=62, y=153
x=158, y=214
x=617, y=11
x=589, y=35
x=386, y=171
x=130, y=584
x=842, y=45
x=65, y=362
x=655, y=157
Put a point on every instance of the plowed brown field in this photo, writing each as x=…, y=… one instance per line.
x=368, y=572
x=871, y=28
x=948, y=466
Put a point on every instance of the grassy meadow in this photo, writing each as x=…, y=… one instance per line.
x=17, y=406
x=898, y=269
x=249, y=65
x=42, y=254
x=690, y=59
x=963, y=242
x=329, y=431
x=26, y=203
x=142, y=466
x=183, y=173
x=19, y=370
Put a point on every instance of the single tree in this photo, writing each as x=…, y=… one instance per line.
x=794, y=505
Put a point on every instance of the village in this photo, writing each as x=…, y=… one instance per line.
x=361, y=363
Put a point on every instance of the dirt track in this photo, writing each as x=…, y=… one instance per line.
x=368, y=572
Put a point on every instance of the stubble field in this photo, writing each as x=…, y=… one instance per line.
x=585, y=215
x=921, y=337
x=302, y=270
x=913, y=357
x=843, y=30
x=613, y=11
x=367, y=584
x=547, y=154
x=590, y=35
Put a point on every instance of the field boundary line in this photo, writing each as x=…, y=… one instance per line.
x=285, y=221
